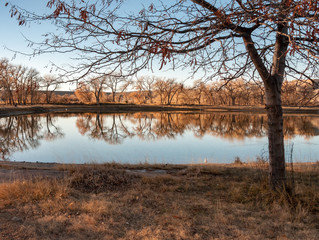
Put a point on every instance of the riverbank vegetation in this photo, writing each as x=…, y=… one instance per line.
x=113, y=201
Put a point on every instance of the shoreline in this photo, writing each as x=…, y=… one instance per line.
x=7, y=110
x=11, y=171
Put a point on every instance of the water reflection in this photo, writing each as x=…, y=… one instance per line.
x=151, y=126
x=20, y=133
x=109, y=128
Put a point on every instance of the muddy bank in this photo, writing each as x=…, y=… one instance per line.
x=20, y=171
x=105, y=108
x=123, y=108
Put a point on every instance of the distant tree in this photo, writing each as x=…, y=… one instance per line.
x=167, y=89
x=84, y=93
x=257, y=91
x=144, y=85
x=33, y=80
x=20, y=84
x=139, y=95
x=98, y=84
x=199, y=88
x=212, y=93
x=50, y=84
x=308, y=93
x=236, y=90
x=114, y=82
x=289, y=93
x=123, y=89
x=159, y=88
x=6, y=81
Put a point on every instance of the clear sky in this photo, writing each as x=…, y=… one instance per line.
x=13, y=37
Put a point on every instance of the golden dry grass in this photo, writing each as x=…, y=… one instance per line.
x=183, y=202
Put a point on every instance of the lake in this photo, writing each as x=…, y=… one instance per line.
x=177, y=138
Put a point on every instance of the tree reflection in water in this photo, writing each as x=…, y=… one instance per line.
x=109, y=128
x=21, y=133
x=114, y=128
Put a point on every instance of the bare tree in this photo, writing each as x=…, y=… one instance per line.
x=258, y=91
x=270, y=39
x=20, y=84
x=84, y=93
x=114, y=82
x=167, y=89
x=6, y=82
x=199, y=89
x=50, y=84
x=235, y=90
x=123, y=90
x=144, y=85
x=33, y=79
x=98, y=85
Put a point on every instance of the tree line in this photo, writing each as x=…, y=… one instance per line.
x=21, y=85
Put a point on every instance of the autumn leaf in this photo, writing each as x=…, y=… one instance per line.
x=83, y=15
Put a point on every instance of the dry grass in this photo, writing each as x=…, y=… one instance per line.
x=23, y=192
x=185, y=202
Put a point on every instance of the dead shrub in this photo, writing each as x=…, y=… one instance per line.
x=98, y=180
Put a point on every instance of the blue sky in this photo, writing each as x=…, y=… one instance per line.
x=13, y=37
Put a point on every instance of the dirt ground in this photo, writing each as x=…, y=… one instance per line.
x=19, y=171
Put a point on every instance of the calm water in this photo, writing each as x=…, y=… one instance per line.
x=151, y=137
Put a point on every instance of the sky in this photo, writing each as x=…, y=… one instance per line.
x=13, y=38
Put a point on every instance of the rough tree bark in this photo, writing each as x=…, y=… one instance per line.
x=272, y=82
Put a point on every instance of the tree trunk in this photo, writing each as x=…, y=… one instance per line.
x=150, y=94
x=97, y=97
x=273, y=80
x=233, y=101
x=277, y=176
x=48, y=97
x=261, y=99
x=113, y=96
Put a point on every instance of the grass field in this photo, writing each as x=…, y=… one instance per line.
x=113, y=201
